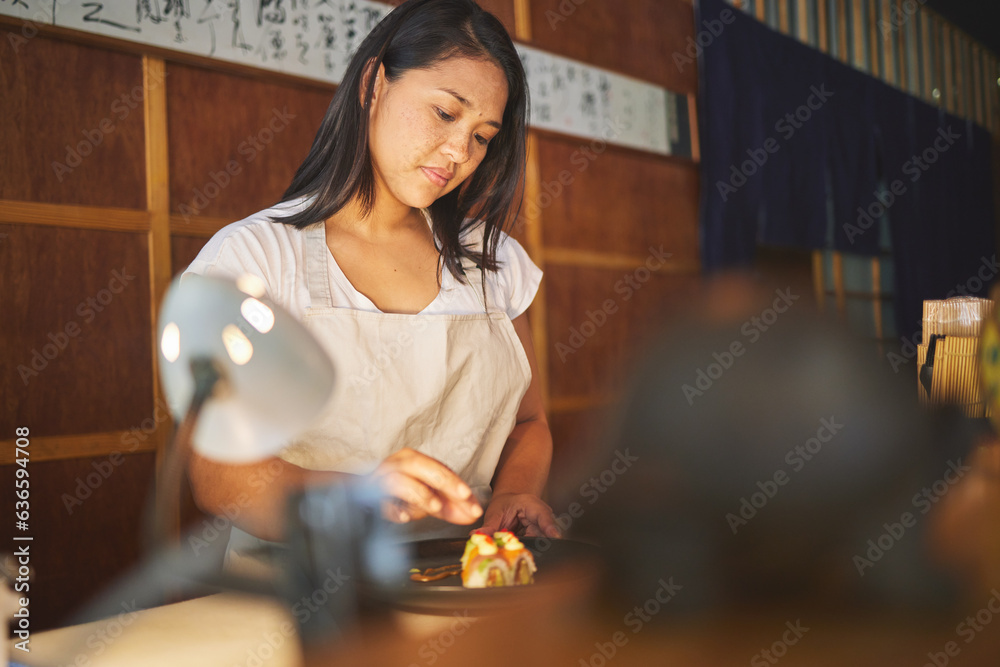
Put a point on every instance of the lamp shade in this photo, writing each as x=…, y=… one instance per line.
x=275, y=376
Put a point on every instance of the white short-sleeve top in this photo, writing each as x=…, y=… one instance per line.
x=275, y=253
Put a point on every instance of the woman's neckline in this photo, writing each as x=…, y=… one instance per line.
x=441, y=274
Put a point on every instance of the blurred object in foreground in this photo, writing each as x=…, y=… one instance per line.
x=989, y=359
x=272, y=377
x=965, y=533
x=947, y=359
x=771, y=464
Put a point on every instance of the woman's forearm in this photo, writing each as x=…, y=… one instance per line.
x=525, y=460
x=254, y=496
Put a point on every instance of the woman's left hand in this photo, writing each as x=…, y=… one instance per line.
x=514, y=511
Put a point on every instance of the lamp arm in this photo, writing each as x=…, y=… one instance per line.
x=162, y=523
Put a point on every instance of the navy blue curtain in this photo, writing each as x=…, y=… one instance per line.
x=787, y=132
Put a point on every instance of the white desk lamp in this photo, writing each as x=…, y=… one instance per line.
x=241, y=375
x=243, y=378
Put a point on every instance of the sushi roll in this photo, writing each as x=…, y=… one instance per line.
x=500, y=560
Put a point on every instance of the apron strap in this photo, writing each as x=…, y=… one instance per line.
x=317, y=267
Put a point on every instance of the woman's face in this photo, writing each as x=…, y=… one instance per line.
x=430, y=128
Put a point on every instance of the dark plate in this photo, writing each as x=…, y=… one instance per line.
x=554, y=558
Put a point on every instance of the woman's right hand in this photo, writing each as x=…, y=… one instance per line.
x=420, y=486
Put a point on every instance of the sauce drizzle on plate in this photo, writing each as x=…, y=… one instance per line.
x=436, y=573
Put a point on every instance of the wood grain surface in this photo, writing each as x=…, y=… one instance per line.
x=72, y=130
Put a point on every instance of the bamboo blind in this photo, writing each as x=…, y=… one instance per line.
x=903, y=43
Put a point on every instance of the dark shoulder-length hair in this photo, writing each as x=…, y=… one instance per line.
x=417, y=35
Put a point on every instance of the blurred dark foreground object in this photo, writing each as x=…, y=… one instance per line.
x=772, y=460
x=826, y=563
x=779, y=513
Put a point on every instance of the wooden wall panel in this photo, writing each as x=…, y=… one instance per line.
x=102, y=383
x=618, y=201
x=72, y=130
x=503, y=10
x=638, y=38
x=594, y=365
x=77, y=552
x=598, y=210
x=83, y=336
x=183, y=250
x=234, y=142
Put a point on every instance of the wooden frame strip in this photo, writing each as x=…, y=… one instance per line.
x=608, y=260
x=74, y=215
x=535, y=246
x=197, y=226
x=522, y=20
x=57, y=447
x=158, y=203
x=692, y=101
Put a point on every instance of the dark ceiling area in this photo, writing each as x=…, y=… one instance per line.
x=979, y=18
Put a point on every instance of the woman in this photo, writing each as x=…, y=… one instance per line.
x=389, y=245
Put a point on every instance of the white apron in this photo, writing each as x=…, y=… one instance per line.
x=448, y=386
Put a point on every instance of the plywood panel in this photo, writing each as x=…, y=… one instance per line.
x=600, y=319
x=72, y=130
x=617, y=201
x=639, y=38
x=503, y=10
x=77, y=357
x=183, y=250
x=86, y=516
x=235, y=143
